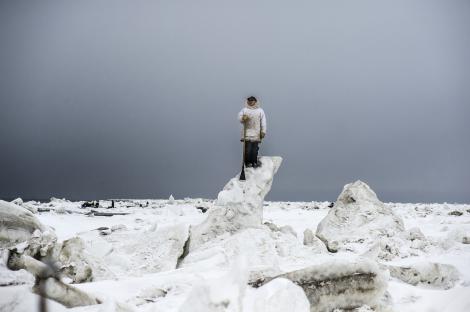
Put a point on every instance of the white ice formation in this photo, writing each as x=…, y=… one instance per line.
x=358, y=218
x=17, y=224
x=239, y=205
x=234, y=229
x=279, y=295
x=313, y=241
x=435, y=275
x=340, y=284
x=229, y=292
x=134, y=253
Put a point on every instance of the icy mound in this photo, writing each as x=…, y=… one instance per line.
x=9, y=277
x=279, y=295
x=430, y=274
x=28, y=205
x=68, y=256
x=229, y=292
x=220, y=293
x=239, y=205
x=340, y=284
x=328, y=283
x=92, y=256
x=49, y=261
x=266, y=252
x=314, y=242
x=256, y=245
x=358, y=217
x=234, y=227
x=134, y=253
x=17, y=224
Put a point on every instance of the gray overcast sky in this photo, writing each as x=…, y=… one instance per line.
x=139, y=99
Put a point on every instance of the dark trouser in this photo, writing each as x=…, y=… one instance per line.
x=251, y=153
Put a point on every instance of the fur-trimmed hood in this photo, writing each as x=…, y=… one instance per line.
x=257, y=105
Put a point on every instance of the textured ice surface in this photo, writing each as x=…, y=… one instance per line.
x=344, y=284
x=279, y=295
x=426, y=274
x=358, y=217
x=131, y=259
x=239, y=205
x=17, y=224
x=133, y=253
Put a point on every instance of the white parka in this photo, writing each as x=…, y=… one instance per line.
x=256, y=123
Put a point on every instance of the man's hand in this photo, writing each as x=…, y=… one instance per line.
x=245, y=118
x=263, y=135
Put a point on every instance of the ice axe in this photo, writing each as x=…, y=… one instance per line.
x=242, y=174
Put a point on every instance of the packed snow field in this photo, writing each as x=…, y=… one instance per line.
x=236, y=253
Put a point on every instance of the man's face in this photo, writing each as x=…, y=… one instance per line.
x=251, y=103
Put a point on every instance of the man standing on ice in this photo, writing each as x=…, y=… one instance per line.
x=254, y=123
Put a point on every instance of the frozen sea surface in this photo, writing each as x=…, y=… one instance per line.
x=132, y=290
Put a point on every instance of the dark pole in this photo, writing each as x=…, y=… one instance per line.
x=242, y=174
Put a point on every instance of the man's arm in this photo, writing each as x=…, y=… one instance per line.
x=263, y=124
x=241, y=116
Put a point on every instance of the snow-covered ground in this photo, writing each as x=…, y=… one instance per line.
x=134, y=289
x=237, y=253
